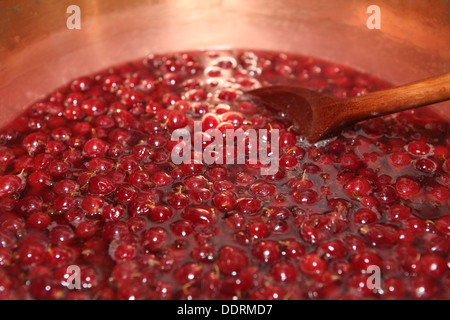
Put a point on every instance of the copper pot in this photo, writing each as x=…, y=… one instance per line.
x=38, y=52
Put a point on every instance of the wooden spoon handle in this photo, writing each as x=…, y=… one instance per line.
x=409, y=96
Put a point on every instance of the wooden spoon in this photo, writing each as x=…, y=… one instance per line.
x=317, y=116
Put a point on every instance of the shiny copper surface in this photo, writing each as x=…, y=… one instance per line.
x=38, y=52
